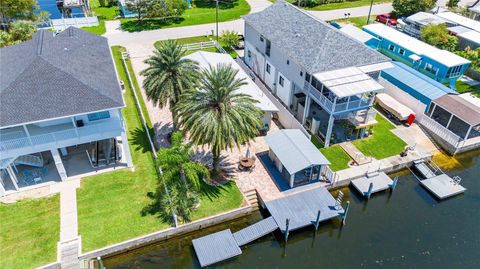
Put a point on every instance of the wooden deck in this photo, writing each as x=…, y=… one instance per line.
x=380, y=182
x=302, y=208
x=255, y=231
x=442, y=186
x=216, y=247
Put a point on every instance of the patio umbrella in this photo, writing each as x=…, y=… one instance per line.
x=247, y=154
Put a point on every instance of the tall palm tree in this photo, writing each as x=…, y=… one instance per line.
x=169, y=74
x=216, y=114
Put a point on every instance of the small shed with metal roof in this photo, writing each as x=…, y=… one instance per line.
x=295, y=156
x=416, y=84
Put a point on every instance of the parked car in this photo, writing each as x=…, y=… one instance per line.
x=386, y=19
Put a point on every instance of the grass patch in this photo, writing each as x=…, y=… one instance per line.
x=340, y=5
x=30, y=230
x=98, y=30
x=337, y=156
x=105, y=13
x=110, y=204
x=383, y=143
x=463, y=87
x=197, y=39
x=357, y=21
x=202, y=11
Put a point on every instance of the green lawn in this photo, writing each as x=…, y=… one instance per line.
x=383, y=143
x=197, y=39
x=357, y=21
x=338, y=158
x=341, y=5
x=203, y=11
x=104, y=13
x=29, y=232
x=98, y=30
x=110, y=204
x=463, y=87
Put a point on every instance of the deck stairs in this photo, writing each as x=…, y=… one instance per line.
x=30, y=160
x=252, y=198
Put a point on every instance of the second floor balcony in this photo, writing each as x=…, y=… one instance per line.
x=30, y=138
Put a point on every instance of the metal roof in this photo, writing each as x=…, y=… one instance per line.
x=348, y=82
x=414, y=45
x=460, y=107
x=294, y=150
x=57, y=76
x=207, y=59
x=424, y=18
x=460, y=20
x=416, y=82
x=357, y=33
x=472, y=36
x=311, y=43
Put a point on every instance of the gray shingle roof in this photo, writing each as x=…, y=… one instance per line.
x=57, y=76
x=313, y=44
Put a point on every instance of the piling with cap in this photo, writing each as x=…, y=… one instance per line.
x=344, y=217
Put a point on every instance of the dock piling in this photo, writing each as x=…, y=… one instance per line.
x=394, y=183
x=287, y=223
x=317, y=222
x=369, y=192
x=344, y=217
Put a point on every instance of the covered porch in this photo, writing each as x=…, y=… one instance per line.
x=338, y=106
x=296, y=158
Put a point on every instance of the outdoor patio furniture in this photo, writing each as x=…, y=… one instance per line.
x=37, y=180
x=247, y=163
x=28, y=177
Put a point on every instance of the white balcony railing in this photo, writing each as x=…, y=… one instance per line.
x=320, y=98
x=339, y=107
x=93, y=130
x=441, y=131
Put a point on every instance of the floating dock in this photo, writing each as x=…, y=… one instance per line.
x=287, y=214
x=374, y=182
x=436, y=182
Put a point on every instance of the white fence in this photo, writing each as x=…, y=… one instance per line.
x=441, y=131
x=200, y=45
x=64, y=23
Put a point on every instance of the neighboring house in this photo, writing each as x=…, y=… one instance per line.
x=211, y=59
x=323, y=76
x=362, y=36
x=124, y=11
x=60, y=110
x=466, y=37
x=296, y=158
x=414, y=23
x=454, y=122
x=454, y=18
x=442, y=65
x=412, y=88
x=475, y=11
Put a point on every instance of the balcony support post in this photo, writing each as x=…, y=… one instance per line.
x=74, y=125
x=331, y=121
x=13, y=177
x=28, y=134
x=308, y=101
x=59, y=164
x=126, y=149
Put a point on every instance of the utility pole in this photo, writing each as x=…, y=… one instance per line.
x=216, y=17
x=369, y=12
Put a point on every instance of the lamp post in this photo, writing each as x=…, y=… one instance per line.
x=369, y=12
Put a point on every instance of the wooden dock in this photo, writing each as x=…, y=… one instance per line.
x=379, y=181
x=442, y=186
x=299, y=210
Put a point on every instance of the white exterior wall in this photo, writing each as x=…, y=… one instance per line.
x=284, y=92
x=404, y=98
x=270, y=78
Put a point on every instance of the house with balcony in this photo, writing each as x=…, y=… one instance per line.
x=325, y=78
x=60, y=112
x=441, y=65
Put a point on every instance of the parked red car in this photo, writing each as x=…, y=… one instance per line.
x=386, y=19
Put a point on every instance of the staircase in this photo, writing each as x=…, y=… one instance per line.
x=30, y=160
x=252, y=198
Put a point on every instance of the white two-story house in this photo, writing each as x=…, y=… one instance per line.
x=324, y=77
x=60, y=110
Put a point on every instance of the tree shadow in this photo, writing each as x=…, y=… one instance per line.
x=154, y=208
x=224, y=4
x=140, y=140
x=162, y=134
x=134, y=25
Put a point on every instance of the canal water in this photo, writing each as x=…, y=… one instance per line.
x=51, y=7
x=404, y=229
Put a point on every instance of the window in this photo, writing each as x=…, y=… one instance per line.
x=280, y=80
x=454, y=71
x=267, y=48
x=401, y=51
x=249, y=53
x=301, y=73
x=391, y=47
x=268, y=68
x=430, y=68
x=307, y=77
x=98, y=116
x=261, y=38
x=288, y=62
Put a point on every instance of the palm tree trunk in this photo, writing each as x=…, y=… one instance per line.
x=174, y=115
x=215, y=163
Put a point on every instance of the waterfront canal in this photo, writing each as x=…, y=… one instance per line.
x=404, y=229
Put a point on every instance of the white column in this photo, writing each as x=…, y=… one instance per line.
x=308, y=101
x=468, y=132
x=433, y=110
x=126, y=149
x=449, y=121
x=292, y=180
x=13, y=177
x=2, y=189
x=331, y=120
x=59, y=164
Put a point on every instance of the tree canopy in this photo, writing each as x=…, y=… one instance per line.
x=438, y=36
x=409, y=7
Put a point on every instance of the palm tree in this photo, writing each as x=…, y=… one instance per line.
x=216, y=114
x=169, y=74
x=176, y=163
